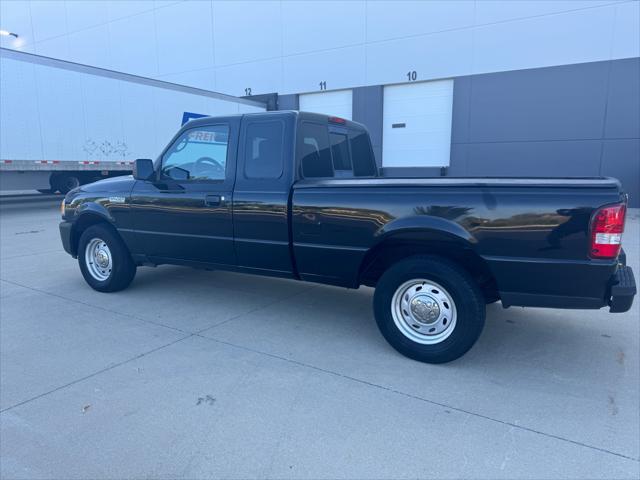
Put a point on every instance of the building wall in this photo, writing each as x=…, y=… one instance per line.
x=560, y=121
x=291, y=46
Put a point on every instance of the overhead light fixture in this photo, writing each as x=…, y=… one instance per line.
x=5, y=33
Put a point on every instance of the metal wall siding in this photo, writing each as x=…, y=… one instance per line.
x=367, y=109
x=623, y=105
x=572, y=120
x=558, y=103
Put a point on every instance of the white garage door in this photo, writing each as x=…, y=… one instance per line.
x=417, y=124
x=337, y=103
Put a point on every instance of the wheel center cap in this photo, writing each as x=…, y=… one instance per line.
x=425, y=309
x=102, y=258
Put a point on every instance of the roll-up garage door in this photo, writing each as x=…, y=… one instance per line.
x=417, y=124
x=336, y=103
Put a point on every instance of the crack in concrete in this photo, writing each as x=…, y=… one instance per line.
x=108, y=310
x=91, y=375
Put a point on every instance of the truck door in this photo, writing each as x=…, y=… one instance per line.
x=185, y=214
x=261, y=195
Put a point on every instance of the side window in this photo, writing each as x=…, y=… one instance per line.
x=364, y=164
x=263, y=150
x=315, y=155
x=198, y=154
x=340, y=154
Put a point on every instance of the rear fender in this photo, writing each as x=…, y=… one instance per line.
x=420, y=235
x=425, y=227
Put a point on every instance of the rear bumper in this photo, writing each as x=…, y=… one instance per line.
x=65, y=236
x=623, y=289
x=565, y=284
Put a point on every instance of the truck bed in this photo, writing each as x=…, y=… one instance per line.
x=502, y=223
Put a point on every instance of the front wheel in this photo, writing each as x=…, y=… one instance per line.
x=429, y=309
x=104, y=260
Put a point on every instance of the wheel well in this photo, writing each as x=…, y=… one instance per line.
x=385, y=255
x=81, y=224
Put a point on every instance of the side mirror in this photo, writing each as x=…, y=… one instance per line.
x=143, y=169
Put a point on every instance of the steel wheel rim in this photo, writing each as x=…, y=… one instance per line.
x=424, y=311
x=98, y=259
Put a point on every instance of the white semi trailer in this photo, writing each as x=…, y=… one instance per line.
x=64, y=124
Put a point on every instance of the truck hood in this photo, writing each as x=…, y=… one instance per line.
x=122, y=184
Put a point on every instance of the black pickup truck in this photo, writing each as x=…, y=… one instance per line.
x=298, y=195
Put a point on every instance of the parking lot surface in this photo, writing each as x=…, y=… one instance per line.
x=196, y=374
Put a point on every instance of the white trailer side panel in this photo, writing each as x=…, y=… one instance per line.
x=51, y=113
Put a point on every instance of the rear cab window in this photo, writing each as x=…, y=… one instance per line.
x=263, y=157
x=340, y=153
x=314, y=151
x=266, y=150
x=326, y=150
x=364, y=163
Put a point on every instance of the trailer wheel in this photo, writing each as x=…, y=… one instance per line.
x=64, y=182
x=429, y=309
x=105, y=261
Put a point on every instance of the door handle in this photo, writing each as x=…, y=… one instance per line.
x=213, y=200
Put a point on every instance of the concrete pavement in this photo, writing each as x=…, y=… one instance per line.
x=194, y=374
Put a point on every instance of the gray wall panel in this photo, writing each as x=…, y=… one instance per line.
x=621, y=159
x=556, y=103
x=458, y=163
x=288, y=102
x=534, y=159
x=568, y=117
x=460, y=114
x=623, y=108
x=367, y=109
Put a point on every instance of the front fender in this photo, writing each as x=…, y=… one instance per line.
x=93, y=208
x=84, y=215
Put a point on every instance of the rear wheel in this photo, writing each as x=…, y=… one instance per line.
x=104, y=260
x=429, y=309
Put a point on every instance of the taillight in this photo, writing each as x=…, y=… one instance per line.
x=338, y=120
x=607, y=226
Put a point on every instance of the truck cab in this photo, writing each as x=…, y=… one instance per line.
x=220, y=192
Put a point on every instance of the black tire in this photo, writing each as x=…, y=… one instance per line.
x=123, y=269
x=469, y=304
x=65, y=182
